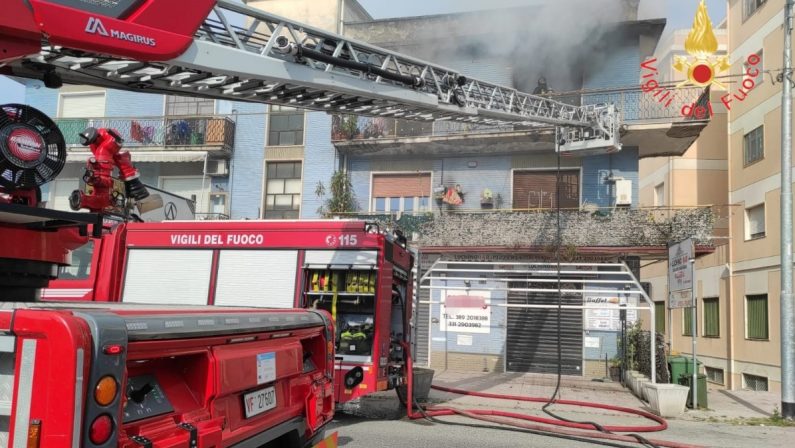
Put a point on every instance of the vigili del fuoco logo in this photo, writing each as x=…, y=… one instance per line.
x=701, y=68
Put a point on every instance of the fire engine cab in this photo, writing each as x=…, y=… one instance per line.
x=351, y=269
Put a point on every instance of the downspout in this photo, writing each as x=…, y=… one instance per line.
x=204, y=178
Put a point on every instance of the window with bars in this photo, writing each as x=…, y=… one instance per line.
x=756, y=318
x=750, y=7
x=285, y=126
x=755, y=222
x=714, y=375
x=711, y=317
x=283, y=190
x=754, y=146
x=754, y=382
x=659, y=317
x=687, y=321
x=186, y=105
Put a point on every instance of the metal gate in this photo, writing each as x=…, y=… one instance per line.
x=532, y=339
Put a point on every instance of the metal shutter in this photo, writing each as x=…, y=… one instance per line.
x=169, y=277
x=257, y=278
x=537, y=189
x=532, y=344
x=401, y=185
x=82, y=105
x=341, y=257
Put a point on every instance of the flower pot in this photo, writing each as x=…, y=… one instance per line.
x=666, y=400
x=642, y=383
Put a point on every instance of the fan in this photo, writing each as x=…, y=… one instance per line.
x=32, y=148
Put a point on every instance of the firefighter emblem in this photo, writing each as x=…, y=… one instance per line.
x=702, y=66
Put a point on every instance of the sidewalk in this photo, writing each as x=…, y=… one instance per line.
x=721, y=425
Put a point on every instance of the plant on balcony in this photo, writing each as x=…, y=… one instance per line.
x=342, y=199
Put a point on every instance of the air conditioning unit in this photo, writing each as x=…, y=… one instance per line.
x=623, y=192
x=219, y=168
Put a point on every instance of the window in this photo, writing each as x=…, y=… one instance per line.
x=755, y=222
x=756, y=317
x=759, y=78
x=186, y=105
x=659, y=317
x=80, y=269
x=82, y=105
x=711, y=317
x=714, y=375
x=283, y=190
x=659, y=195
x=750, y=7
x=687, y=321
x=538, y=189
x=754, y=146
x=401, y=193
x=754, y=382
x=285, y=126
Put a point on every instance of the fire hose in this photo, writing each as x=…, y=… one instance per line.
x=547, y=425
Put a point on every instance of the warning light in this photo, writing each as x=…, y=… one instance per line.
x=101, y=429
x=106, y=389
x=114, y=349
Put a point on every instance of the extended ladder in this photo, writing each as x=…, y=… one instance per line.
x=244, y=54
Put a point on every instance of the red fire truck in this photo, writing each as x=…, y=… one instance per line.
x=351, y=269
x=117, y=375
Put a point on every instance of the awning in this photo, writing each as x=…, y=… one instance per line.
x=148, y=156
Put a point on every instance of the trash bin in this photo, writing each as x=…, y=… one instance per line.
x=686, y=380
x=681, y=366
x=423, y=378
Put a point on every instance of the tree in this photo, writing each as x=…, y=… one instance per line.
x=341, y=200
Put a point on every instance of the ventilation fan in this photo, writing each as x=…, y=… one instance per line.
x=32, y=148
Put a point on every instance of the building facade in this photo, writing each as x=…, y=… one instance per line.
x=463, y=193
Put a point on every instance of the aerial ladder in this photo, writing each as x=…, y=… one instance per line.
x=225, y=50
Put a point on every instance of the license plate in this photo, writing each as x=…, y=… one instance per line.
x=257, y=402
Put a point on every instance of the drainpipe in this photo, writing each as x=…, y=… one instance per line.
x=787, y=314
x=204, y=178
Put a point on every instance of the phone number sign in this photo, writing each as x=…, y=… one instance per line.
x=466, y=312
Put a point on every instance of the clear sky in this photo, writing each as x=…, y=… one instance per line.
x=678, y=12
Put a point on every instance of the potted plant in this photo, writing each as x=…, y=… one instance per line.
x=615, y=369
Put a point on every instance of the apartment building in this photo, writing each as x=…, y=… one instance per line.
x=736, y=159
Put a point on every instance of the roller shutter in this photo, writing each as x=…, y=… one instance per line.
x=536, y=189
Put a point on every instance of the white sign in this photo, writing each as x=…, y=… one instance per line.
x=464, y=339
x=466, y=312
x=592, y=342
x=680, y=274
x=607, y=317
x=681, y=299
x=266, y=367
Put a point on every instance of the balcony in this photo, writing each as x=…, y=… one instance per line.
x=649, y=125
x=213, y=135
x=642, y=232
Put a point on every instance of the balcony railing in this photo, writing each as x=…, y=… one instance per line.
x=643, y=227
x=635, y=107
x=171, y=133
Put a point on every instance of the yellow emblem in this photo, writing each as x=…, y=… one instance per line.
x=701, y=44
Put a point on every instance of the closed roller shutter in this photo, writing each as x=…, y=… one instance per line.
x=168, y=277
x=82, y=105
x=343, y=257
x=537, y=189
x=256, y=278
x=532, y=344
x=401, y=185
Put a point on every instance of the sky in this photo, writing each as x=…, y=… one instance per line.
x=678, y=12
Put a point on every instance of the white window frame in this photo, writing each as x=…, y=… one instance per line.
x=746, y=216
x=206, y=200
x=264, y=189
x=659, y=201
x=61, y=95
x=373, y=174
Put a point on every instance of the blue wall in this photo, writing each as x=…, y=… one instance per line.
x=597, y=169
x=120, y=103
x=42, y=98
x=320, y=161
x=247, y=162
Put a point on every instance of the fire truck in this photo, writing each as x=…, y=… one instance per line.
x=352, y=269
x=97, y=374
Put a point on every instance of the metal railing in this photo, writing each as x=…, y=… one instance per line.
x=584, y=227
x=634, y=105
x=207, y=132
x=212, y=217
